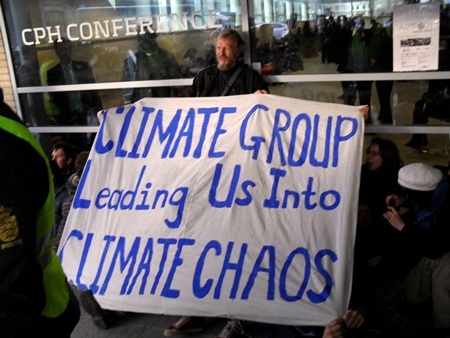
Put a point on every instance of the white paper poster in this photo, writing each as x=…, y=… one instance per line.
x=240, y=206
x=416, y=37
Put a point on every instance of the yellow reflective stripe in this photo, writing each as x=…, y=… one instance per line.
x=56, y=288
x=46, y=214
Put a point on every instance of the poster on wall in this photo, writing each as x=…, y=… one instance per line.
x=416, y=37
x=241, y=206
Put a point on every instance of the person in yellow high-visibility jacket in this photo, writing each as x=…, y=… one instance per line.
x=35, y=298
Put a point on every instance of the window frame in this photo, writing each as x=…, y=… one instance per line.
x=303, y=78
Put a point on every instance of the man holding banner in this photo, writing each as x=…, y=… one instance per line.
x=222, y=206
x=228, y=77
x=231, y=77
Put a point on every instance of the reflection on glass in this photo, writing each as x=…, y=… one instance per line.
x=325, y=32
x=72, y=108
x=287, y=37
x=402, y=100
x=150, y=62
x=104, y=36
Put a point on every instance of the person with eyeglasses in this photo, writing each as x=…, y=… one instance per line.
x=374, y=239
x=379, y=174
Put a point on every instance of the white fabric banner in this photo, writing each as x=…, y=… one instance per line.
x=241, y=206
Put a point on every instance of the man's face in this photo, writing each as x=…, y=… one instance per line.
x=60, y=157
x=147, y=42
x=227, y=53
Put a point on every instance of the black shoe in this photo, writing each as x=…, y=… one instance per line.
x=412, y=144
x=416, y=145
x=385, y=120
x=103, y=319
x=340, y=97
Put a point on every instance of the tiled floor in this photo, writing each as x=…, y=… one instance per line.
x=138, y=325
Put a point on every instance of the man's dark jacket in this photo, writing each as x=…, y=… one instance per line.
x=211, y=82
x=89, y=99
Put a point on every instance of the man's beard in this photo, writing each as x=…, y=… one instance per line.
x=225, y=66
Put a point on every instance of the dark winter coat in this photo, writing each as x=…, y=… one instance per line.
x=211, y=82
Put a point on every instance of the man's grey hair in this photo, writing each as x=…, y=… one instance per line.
x=229, y=33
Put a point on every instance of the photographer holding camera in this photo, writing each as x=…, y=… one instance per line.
x=417, y=304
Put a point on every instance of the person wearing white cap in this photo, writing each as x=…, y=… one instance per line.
x=424, y=243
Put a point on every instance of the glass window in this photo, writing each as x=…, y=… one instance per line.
x=123, y=50
x=68, y=48
x=303, y=37
x=107, y=33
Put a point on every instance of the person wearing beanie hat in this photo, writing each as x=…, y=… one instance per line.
x=419, y=177
x=423, y=250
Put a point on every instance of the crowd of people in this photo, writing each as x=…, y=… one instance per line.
x=343, y=41
x=401, y=277
x=356, y=48
x=349, y=42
